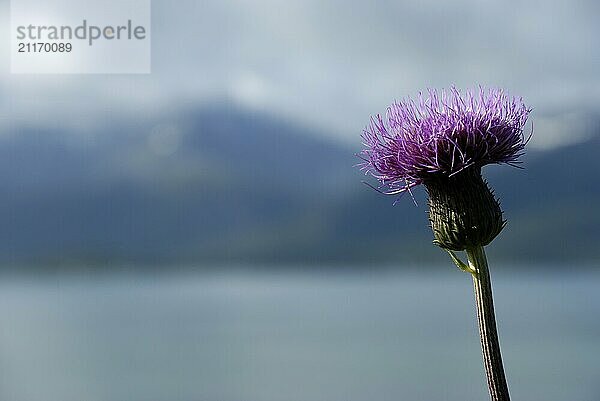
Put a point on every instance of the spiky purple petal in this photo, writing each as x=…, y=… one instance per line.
x=443, y=133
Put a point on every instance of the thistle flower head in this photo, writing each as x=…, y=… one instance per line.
x=442, y=133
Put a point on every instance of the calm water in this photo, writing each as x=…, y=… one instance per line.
x=288, y=337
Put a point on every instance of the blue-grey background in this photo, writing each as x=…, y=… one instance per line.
x=200, y=233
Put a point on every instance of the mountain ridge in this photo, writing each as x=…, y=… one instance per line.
x=225, y=185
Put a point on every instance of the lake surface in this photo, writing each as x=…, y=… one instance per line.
x=294, y=337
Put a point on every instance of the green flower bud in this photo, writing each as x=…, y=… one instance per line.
x=463, y=210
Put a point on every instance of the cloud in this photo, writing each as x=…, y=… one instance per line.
x=561, y=129
x=334, y=63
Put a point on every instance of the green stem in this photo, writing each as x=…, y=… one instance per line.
x=490, y=346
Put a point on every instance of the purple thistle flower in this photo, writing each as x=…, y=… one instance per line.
x=441, y=134
x=442, y=141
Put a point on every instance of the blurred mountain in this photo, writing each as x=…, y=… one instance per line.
x=221, y=184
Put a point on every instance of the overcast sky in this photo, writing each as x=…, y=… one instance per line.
x=332, y=64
